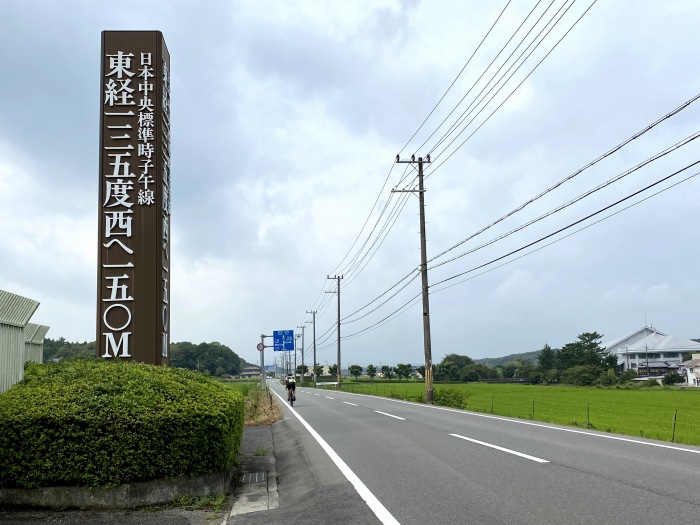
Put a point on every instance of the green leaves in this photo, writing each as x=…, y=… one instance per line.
x=106, y=423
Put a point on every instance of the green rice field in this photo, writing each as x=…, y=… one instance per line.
x=667, y=414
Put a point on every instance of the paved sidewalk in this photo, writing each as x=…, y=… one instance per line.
x=256, y=489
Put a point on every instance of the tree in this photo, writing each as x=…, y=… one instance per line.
x=476, y=372
x=62, y=349
x=460, y=360
x=205, y=357
x=318, y=369
x=586, y=350
x=447, y=371
x=546, y=358
x=550, y=376
x=581, y=375
x=672, y=378
x=403, y=370
x=388, y=371
x=355, y=370
x=333, y=370
x=302, y=371
x=371, y=371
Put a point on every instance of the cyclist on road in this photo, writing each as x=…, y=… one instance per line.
x=291, y=386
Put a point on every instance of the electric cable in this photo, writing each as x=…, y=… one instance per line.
x=457, y=77
x=563, y=237
x=571, y=225
x=587, y=193
x=574, y=174
x=507, y=98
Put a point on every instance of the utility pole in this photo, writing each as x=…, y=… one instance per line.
x=263, y=379
x=424, y=275
x=314, y=363
x=295, y=356
x=302, y=352
x=338, y=278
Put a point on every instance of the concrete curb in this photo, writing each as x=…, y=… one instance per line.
x=126, y=496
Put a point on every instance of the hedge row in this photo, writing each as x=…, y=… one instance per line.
x=94, y=423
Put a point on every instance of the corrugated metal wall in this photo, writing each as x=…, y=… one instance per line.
x=11, y=355
x=15, y=312
x=34, y=335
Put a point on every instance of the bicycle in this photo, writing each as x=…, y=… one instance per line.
x=291, y=397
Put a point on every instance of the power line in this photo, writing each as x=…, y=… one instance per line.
x=482, y=75
x=570, y=225
x=574, y=200
x=574, y=174
x=455, y=80
x=565, y=236
x=476, y=103
x=415, y=298
x=505, y=100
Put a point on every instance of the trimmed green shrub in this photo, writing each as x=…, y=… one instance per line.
x=106, y=423
x=450, y=397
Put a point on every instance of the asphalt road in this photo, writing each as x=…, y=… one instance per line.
x=428, y=464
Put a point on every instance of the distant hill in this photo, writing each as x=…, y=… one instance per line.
x=527, y=357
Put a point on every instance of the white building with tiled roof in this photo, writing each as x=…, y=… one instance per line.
x=650, y=352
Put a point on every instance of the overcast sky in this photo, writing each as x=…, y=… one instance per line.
x=286, y=120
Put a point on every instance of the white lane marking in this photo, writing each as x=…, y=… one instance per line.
x=353, y=404
x=317, y=395
x=372, y=502
x=390, y=415
x=329, y=397
x=530, y=423
x=502, y=449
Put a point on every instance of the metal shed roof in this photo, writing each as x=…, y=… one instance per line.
x=16, y=310
x=35, y=333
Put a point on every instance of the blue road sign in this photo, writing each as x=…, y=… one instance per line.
x=283, y=340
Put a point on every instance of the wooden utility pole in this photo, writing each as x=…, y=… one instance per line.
x=314, y=363
x=424, y=275
x=302, y=352
x=338, y=278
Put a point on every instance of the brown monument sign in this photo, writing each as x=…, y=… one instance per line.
x=133, y=275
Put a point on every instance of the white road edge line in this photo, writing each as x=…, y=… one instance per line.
x=372, y=502
x=347, y=403
x=390, y=415
x=502, y=449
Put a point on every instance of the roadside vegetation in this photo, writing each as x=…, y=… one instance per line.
x=97, y=423
x=213, y=358
x=575, y=385
x=664, y=413
x=261, y=407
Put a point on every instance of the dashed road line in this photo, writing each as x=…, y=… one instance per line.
x=390, y=415
x=502, y=449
